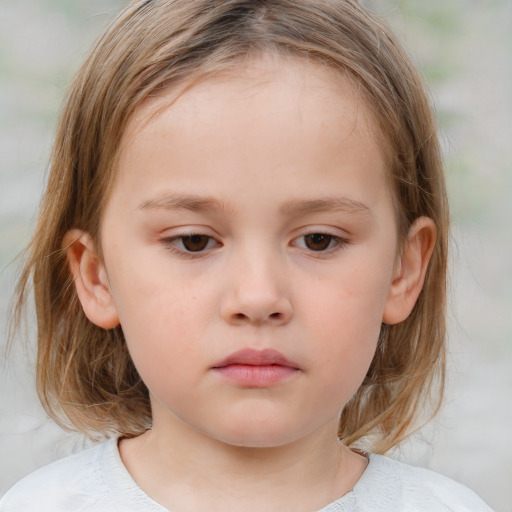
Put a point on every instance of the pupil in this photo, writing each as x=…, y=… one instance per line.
x=195, y=243
x=318, y=241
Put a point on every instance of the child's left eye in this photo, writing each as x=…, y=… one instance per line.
x=318, y=242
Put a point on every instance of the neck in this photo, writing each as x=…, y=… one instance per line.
x=185, y=470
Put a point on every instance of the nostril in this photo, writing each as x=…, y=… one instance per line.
x=242, y=316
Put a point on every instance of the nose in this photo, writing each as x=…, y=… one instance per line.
x=257, y=294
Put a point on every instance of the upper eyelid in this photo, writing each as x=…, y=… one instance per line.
x=184, y=231
x=306, y=230
x=324, y=230
x=170, y=238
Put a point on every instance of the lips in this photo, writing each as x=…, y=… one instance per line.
x=248, y=356
x=256, y=368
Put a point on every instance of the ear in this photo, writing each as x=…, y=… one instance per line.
x=410, y=271
x=90, y=279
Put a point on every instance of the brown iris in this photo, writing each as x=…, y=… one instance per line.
x=195, y=243
x=317, y=241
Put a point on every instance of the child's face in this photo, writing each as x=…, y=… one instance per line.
x=253, y=213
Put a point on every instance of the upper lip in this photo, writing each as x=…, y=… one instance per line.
x=255, y=357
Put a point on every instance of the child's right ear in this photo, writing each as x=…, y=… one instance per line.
x=90, y=277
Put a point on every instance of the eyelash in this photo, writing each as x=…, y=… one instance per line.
x=334, y=243
x=171, y=244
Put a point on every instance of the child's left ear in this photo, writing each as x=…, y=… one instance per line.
x=410, y=271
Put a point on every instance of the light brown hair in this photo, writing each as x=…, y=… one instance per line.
x=85, y=377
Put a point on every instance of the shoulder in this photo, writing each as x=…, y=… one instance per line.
x=72, y=483
x=418, y=489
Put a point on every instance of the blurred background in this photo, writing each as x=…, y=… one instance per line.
x=464, y=49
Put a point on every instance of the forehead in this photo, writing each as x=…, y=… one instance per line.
x=298, y=118
x=280, y=80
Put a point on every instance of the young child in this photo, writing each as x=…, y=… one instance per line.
x=239, y=266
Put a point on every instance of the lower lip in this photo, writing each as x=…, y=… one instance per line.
x=256, y=376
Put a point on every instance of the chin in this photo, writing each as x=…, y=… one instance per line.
x=257, y=435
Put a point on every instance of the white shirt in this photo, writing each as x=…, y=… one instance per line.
x=96, y=480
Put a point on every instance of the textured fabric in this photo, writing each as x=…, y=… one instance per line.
x=97, y=481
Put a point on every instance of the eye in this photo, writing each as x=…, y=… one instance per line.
x=319, y=242
x=193, y=243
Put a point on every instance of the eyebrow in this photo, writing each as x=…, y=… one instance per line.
x=328, y=204
x=185, y=202
x=292, y=207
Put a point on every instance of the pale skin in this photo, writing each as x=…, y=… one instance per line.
x=277, y=173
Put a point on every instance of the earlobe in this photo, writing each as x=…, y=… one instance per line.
x=410, y=272
x=90, y=279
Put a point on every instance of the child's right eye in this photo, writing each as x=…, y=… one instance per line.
x=193, y=243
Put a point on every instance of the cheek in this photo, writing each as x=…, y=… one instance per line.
x=161, y=316
x=350, y=299
x=350, y=331
x=343, y=317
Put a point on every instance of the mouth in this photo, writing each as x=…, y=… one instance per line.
x=256, y=368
